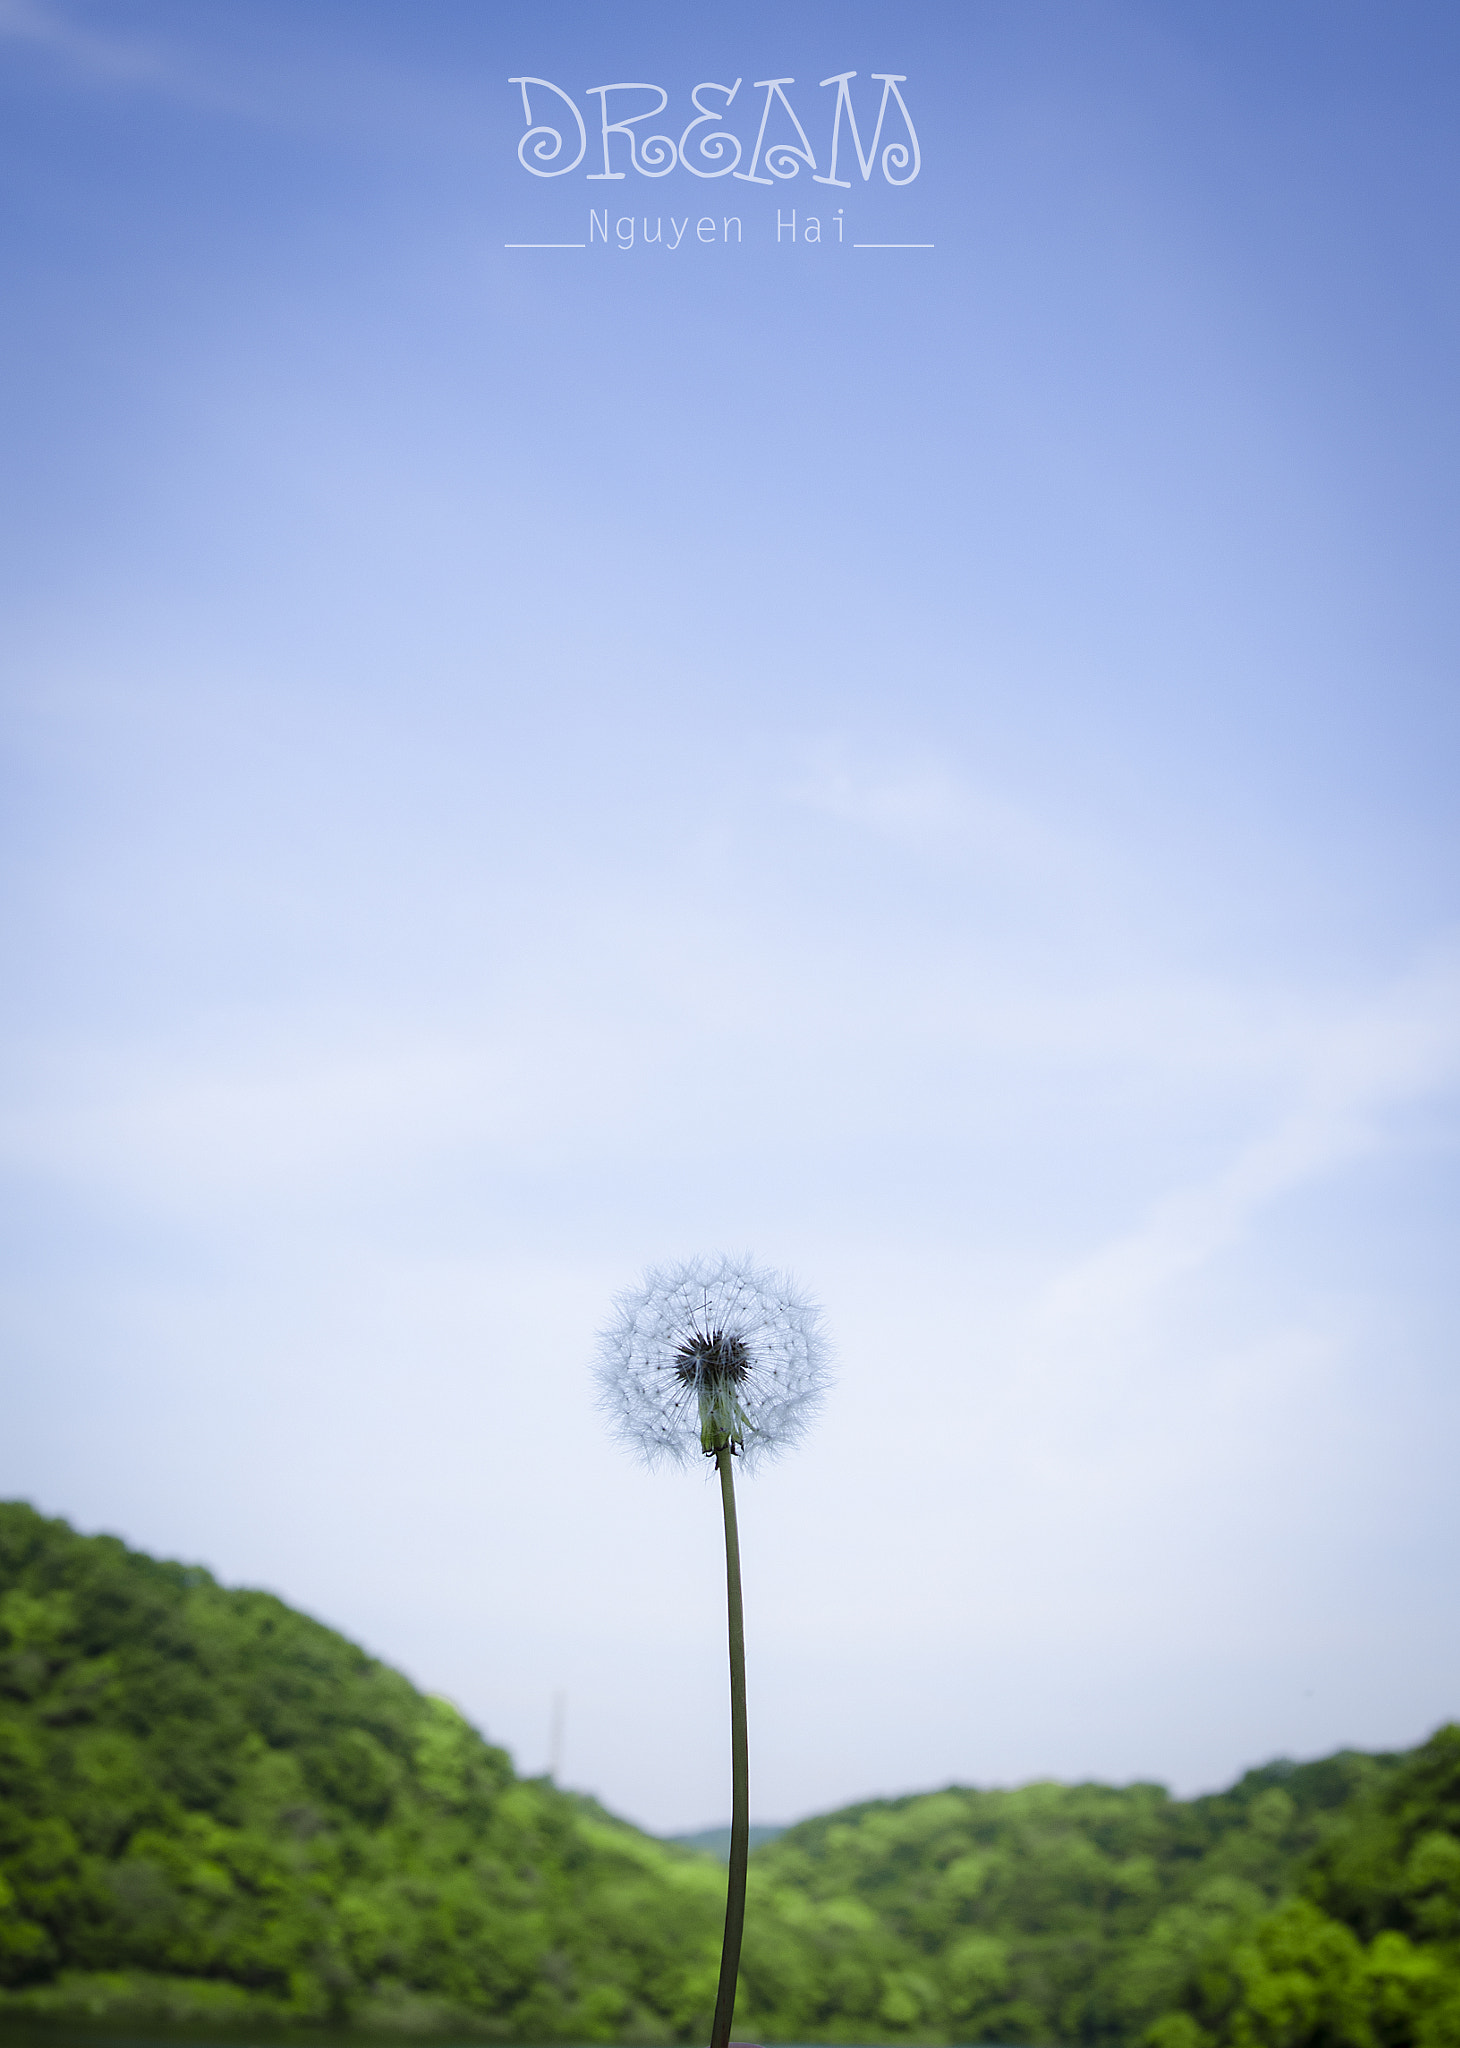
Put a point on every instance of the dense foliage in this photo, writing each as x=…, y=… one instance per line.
x=214, y=1810
x=1367, y=1955
x=1053, y=1913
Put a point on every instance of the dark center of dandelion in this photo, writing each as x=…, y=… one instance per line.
x=712, y=1356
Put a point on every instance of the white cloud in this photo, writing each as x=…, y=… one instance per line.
x=925, y=803
x=1399, y=1046
x=104, y=57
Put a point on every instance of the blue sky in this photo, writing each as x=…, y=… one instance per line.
x=933, y=767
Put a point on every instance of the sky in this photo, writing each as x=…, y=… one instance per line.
x=928, y=766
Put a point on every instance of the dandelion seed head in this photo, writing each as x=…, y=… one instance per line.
x=712, y=1352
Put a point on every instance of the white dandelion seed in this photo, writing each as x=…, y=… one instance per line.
x=711, y=1352
x=725, y=1358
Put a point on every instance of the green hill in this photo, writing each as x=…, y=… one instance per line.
x=213, y=1809
x=716, y=1841
x=217, y=1813
x=1056, y=1913
x=1367, y=1954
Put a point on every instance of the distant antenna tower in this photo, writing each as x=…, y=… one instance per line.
x=559, y=1731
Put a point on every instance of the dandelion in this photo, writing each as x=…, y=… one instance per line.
x=724, y=1360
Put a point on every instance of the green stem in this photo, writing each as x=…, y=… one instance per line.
x=739, y=1766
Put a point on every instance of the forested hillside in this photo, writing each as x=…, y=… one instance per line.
x=213, y=1808
x=1056, y=1913
x=216, y=1812
x=1367, y=1955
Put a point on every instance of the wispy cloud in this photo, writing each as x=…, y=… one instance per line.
x=295, y=81
x=929, y=804
x=122, y=62
x=1398, y=1047
x=915, y=802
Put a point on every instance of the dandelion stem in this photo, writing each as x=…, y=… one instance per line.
x=739, y=1766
